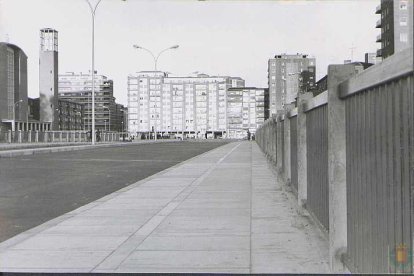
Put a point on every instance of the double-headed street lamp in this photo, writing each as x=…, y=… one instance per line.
x=93, y=12
x=155, y=57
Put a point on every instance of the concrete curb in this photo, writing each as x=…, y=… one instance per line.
x=50, y=149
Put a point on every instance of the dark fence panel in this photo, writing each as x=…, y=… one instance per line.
x=317, y=163
x=380, y=141
x=294, y=152
x=4, y=136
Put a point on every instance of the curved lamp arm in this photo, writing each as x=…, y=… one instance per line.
x=152, y=54
x=93, y=9
x=169, y=48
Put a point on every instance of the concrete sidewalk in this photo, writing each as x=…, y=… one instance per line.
x=222, y=211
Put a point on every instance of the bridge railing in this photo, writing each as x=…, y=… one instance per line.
x=349, y=154
x=379, y=112
x=57, y=136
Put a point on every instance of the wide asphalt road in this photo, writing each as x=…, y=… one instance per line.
x=37, y=188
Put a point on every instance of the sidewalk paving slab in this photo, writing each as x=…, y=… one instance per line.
x=222, y=211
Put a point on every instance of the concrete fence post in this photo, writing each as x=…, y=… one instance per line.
x=37, y=136
x=9, y=136
x=337, y=166
x=29, y=136
x=273, y=140
x=278, y=143
x=287, y=170
x=45, y=136
x=302, y=152
x=20, y=136
x=60, y=136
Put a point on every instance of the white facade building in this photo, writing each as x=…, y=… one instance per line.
x=247, y=109
x=178, y=105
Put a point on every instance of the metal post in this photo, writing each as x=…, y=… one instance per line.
x=93, y=74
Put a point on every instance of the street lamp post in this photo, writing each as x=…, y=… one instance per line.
x=93, y=12
x=155, y=57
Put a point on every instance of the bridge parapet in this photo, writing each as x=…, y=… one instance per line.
x=351, y=160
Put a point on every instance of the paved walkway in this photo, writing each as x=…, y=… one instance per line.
x=222, y=211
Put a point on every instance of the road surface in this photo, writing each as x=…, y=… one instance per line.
x=37, y=188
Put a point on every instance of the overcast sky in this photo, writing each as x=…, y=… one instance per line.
x=216, y=37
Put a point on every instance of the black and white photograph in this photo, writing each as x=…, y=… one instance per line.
x=206, y=136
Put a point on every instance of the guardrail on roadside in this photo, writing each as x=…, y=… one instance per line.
x=20, y=136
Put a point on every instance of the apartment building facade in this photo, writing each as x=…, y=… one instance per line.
x=247, y=109
x=78, y=88
x=70, y=115
x=396, y=24
x=158, y=103
x=287, y=76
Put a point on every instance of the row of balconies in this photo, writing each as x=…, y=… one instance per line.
x=378, y=24
x=378, y=9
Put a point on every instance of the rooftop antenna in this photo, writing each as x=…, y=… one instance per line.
x=352, y=48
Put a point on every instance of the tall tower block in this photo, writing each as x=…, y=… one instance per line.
x=48, y=76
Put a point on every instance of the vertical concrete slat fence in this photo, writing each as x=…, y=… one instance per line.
x=316, y=110
x=380, y=148
x=351, y=152
x=293, y=121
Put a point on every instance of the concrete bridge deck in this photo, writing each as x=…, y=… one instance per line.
x=222, y=211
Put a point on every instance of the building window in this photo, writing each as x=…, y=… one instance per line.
x=403, y=5
x=403, y=21
x=403, y=37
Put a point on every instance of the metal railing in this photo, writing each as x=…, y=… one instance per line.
x=57, y=136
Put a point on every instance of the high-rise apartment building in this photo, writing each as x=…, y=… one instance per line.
x=188, y=105
x=78, y=88
x=396, y=24
x=247, y=109
x=287, y=76
x=13, y=86
x=48, y=77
